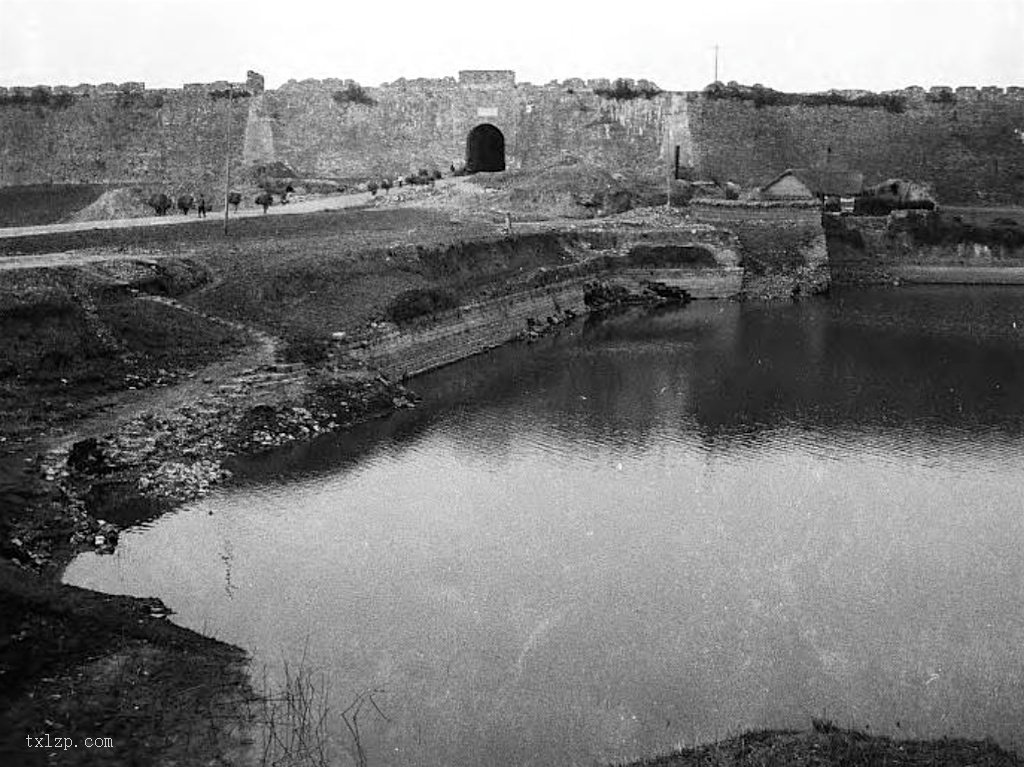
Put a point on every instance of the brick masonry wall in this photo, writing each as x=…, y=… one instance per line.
x=963, y=144
x=426, y=126
x=486, y=324
x=966, y=149
x=541, y=296
x=469, y=330
x=174, y=140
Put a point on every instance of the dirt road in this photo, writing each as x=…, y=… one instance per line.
x=295, y=205
x=299, y=205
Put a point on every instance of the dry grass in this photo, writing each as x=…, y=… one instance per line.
x=826, y=745
x=292, y=721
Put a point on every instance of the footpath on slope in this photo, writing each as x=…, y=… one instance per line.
x=295, y=206
x=312, y=205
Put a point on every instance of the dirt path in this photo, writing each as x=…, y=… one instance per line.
x=296, y=205
x=310, y=205
x=73, y=258
x=243, y=366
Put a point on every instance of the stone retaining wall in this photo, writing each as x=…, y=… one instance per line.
x=544, y=299
x=782, y=246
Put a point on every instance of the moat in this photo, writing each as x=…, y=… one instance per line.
x=650, y=529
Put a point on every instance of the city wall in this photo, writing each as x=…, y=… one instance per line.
x=965, y=142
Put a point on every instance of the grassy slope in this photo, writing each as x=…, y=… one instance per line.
x=67, y=338
x=79, y=664
x=829, y=746
x=308, y=275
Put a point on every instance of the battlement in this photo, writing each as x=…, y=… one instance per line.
x=488, y=78
x=912, y=95
x=328, y=84
x=424, y=83
x=253, y=84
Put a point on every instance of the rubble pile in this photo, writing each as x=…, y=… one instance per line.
x=177, y=456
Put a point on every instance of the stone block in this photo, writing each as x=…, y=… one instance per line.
x=254, y=82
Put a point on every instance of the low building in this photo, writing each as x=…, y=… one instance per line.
x=833, y=186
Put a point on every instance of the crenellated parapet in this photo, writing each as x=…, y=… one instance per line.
x=217, y=87
x=425, y=83
x=487, y=78
x=506, y=79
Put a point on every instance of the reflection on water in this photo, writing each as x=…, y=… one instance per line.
x=654, y=529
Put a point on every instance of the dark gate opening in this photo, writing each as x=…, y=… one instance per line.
x=485, y=149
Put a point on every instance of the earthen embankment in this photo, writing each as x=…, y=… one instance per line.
x=965, y=246
x=782, y=245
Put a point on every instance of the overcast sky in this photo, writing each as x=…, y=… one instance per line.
x=796, y=45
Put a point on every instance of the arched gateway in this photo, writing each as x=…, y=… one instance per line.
x=485, y=149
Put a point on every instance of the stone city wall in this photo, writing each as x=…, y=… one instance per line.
x=965, y=145
x=408, y=125
x=965, y=142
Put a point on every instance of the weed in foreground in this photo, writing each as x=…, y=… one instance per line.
x=294, y=721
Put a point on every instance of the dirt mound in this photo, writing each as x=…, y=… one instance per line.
x=570, y=191
x=116, y=203
x=40, y=204
x=273, y=169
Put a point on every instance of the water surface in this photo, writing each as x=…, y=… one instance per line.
x=652, y=530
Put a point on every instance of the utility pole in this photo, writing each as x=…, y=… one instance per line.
x=227, y=157
x=716, y=64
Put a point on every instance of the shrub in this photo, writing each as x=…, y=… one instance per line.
x=39, y=97
x=762, y=96
x=353, y=94
x=231, y=93
x=942, y=97
x=624, y=90
x=129, y=100
x=423, y=176
x=419, y=302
